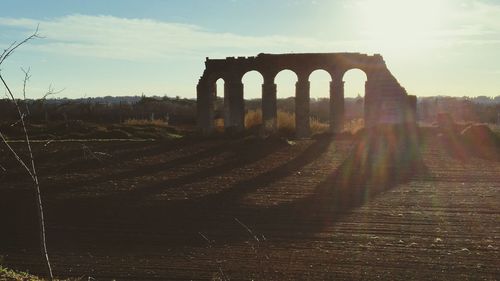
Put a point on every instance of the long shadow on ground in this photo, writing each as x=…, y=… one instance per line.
x=379, y=161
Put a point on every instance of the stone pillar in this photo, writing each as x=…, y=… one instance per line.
x=370, y=105
x=234, y=97
x=336, y=106
x=411, y=114
x=205, y=107
x=269, y=106
x=302, y=126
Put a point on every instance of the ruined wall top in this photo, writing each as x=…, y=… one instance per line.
x=233, y=68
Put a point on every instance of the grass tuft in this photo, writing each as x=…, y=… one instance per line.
x=8, y=274
x=353, y=126
x=13, y=275
x=146, y=122
x=286, y=122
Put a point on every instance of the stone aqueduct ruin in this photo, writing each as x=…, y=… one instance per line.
x=385, y=100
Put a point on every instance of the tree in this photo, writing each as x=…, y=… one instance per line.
x=28, y=165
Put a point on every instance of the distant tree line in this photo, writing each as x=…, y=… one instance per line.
x=179, y=111
x=104, y=110
x=479, y=109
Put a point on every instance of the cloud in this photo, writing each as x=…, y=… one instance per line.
x=440, y=24
x=144, y=39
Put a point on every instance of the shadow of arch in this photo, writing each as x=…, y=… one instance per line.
x=375, y=164
x=380, y=161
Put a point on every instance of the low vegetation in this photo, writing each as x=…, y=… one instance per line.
x=11, y=275
x=80, y=130
x=285, y=120
x=146, y=122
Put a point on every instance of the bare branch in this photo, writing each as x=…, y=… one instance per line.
x=247, y=229
x=18, y=158
x=7, y=52
x=27, y=77
x=51, y=91
x=17, y=122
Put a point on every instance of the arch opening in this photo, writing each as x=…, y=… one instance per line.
x=285, y=82
x=285, y=90
x=354, y=104
x=252, y=92
x=319, y=105
x=380, y=101
x=221, y=107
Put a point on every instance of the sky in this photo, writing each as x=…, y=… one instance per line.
x=158, y=47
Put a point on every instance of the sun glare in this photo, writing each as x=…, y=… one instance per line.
x=399, y=23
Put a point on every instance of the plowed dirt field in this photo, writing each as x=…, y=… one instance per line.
x=253, y=209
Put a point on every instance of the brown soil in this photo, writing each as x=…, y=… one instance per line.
x=244, y=209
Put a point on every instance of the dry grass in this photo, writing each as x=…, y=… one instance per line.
x=317, y=126
x=11, y=275
x=353, y=126
x=219, y=125
x=285, y=120
x=146, y=122
x=286, y=123
x=253, y=118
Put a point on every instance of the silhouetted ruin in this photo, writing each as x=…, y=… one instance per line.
x=385, y=100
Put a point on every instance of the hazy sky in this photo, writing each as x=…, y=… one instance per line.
x=129, y=47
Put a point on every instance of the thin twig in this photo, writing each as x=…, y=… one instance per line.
x=7, y=52
x=18, y=158
x=27, y=77
x=206, y=239
x=248, y=229
x=51, y=91
x=17, y=122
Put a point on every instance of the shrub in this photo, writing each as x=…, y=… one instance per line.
x=253, y=118
x=354, y=126
x=285, y=122
x=219, y=125
x=317, y=126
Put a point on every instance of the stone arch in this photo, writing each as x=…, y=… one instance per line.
x=355, y=81
x=214, y=77
x=257, y=78
x=357, y=71
x=283, y=80
x=320, y=70
x=381, y=88
x=252, y=81
x=220, y=105
x=321, y=75
x=319, y=83
x=284, y=84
